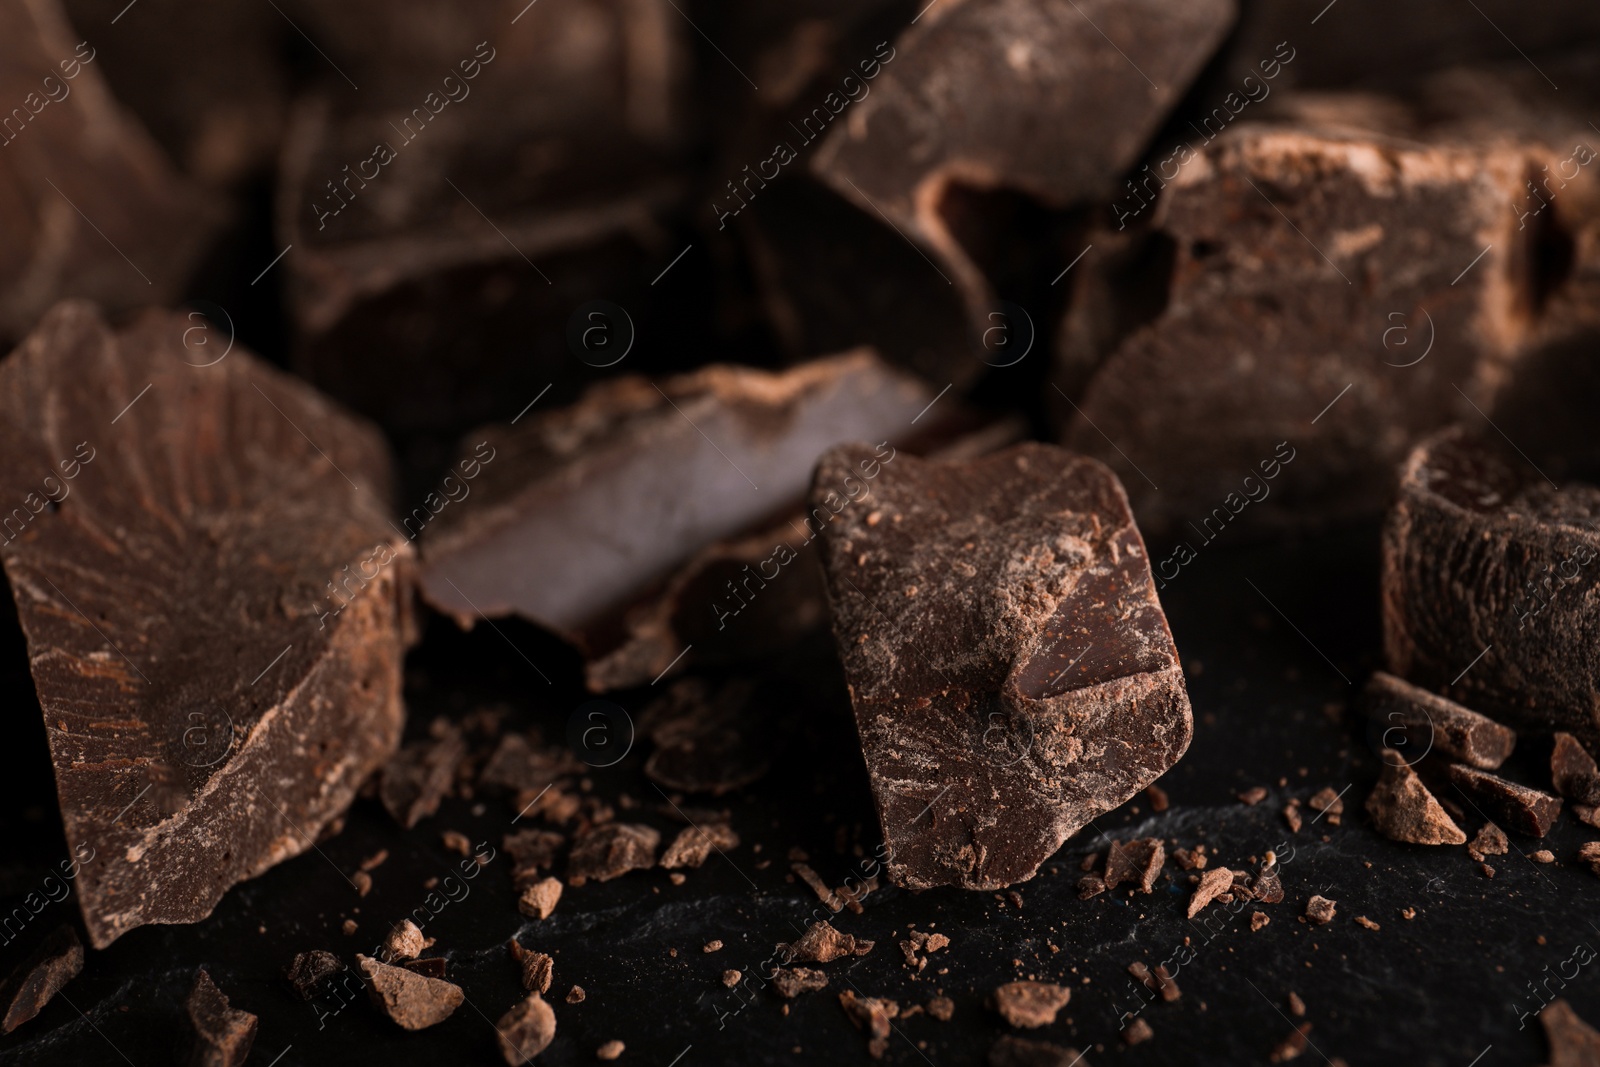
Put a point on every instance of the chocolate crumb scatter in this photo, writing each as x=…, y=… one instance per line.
x=527, y=1029
x=1030, y=1004
x=1194, y=859
x=1320, y=910
x=818, y=886
x=919, y=945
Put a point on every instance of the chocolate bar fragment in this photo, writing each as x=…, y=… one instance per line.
x=414, y=1001
x=89, y=205
x=1309, y=262
x=1403, y=809
x=221, y=1035
x=1009, y=93
x=1010, y=668
x=30, y=985
x=1527, y=811
x=707, y=455
x=1573, y=771
x=1415, y=717
x=1487, y=569
x=152, y=504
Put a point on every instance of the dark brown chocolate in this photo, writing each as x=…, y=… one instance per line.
x=707, y=740
x=1573, y=771
x=792, y=982
x=1011, y=671
x=1413, y=721
x=1403, y=809
x=309, y=970
x=1030, y=1004
x=1573, y=1042
x=30, y=985
x=1524, y=810
x=610, y=851
x=527, y=1029
x=413, y=1001
x=420, y=774
x=221, y=1035
x=224, y=498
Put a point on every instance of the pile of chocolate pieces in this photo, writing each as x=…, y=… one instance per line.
x=973, y=282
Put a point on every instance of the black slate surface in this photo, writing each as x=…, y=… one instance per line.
x=1272, y=637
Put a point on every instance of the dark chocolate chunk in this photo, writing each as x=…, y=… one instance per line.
x=413, y=1001
x=1012, y=1051
x=1573, y=1042
x=1403, y=809
x=1030, y=1004
x=694, y=845
x=1135, y=861
x=1527, y=811
x=822, y=943
x=221, y=1035
x=873, y=1015
x=1011, y=671
x=222, y=498
x=1573, y=771
x=92, y=208
x=527, y=1029
x=309, y=970
x=1320, y=910
x=707, y=740
x=537, y=968
x=609, y=851
x=432, y=967
x=1489, y=841
x=793, y=981
x=417, y=778
x=1214, y=883
x=1414, y=721
x=31, y=984
x=1485, y=567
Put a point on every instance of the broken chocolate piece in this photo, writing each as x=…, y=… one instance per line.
x=1527, y=811
x=537, y=968
x=793, y=981
x=821, y=943
x=1320, y=909
x=707, y=739
x=1573, y=1042
x=1509, y=603
x=1138, y=1032
x=1213, y=883
x=1490, y=841
x=1135, y=861
x=1030, y=1004
x=745, y=440
x=872, y=1014
x=1267, y=887
x=309, y=970
x=532, y=851
x=432, y=967
x=1415, y=721
x=1573, y=771
x=189, y=766
x=527, y=1029
x=609, y=851
x=31, y=984
x=421, y=773
x=523, y=763
x=539, y=899
x=1403, y=809
x=1258, y=919
x=610, y=1050
x=1589, y=854
x=222, y=1035
x=413, y=1001
x=1011, y=672
x=404, y=942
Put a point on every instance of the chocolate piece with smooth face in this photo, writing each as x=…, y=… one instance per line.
x=610, y=851
x=1011, y=671
x=221, y=1035
x=1403, y=809
x=414, y=1001
x=184, y=503
x=1416, y=717
x=1573, y=771
x=29, y=987
x=1527, y=811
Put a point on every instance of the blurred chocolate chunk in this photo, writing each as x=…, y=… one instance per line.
x=1030, y=1004
x=1573, y=1042
x=1527, y=811
x=711, y=455
x=1403, y=809
x=309, y=970
x=526, y=1030
x=610, y=851
x=708, y=740
x=1415, y=720
x=1486, y=567
x=221, y=1035
x=1309, y=262
x=694, y=844
x=226, y=498
x=1011, y=671
x=420, y=774
x=90, y=206
x=792, y=982
x=413, y=1001
x=523, y=762
x=871, y=1014
x=30, y=985
x=1573, y=771
x=1012, y=1051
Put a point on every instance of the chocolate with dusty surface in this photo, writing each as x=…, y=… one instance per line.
x=609, y=851
x=822, y=943
x=221, y=1035
x=1573, y=771
x=1415, y=720
x=31, y=984
x=793, y=981
x=1403, y=809
x=527, y=1029
x=1010, y=668
x=187, y=762
x=420, y=774
x=1527, y=811
x=412, y=1000
x=1030, y=1004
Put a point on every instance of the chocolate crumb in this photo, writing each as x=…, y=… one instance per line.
x=417, y=778
x=29, y=987
x=221, y=1035
x=1320, y=909
x=374, y=861
x=1490, y=841
x=610, y=1050
x=1297, y=1007
x=1368, y=923
x=539, y=899
x=1136, y=861
x=609, y=851
x=811, y=878
x=349, y=927
x=711, y=946
x=363, y=883
x=1408, y=913
x=575, y=995
x=1138, y=1032
x=1191, y=859
x=527, y=1029
x=1212, y=884
x=1254, y=795
x=796, y=980
x=923, y=942
x=1158, y=798
x=413, y=1001
x=676, y=878
x=1030, y=1004
x=731, y=978
x=694, y=844
x=1329, y=802
x=821, y=943
x=1293, y=1046
x=1291, y=816
x=404, y=942
x=1258, y=919
x=1267, y=887
x=1544, y=855
x=1590, y=854
x=1488, y=871
x=1090, y=885
x=1527, y=811
x=456, y=841
x=874, y=1014
x=942, y=1008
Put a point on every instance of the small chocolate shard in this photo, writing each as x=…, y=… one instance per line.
x=309, y=970
x=997, y=622
x=527, y=1029
x=1213, y=883
x=1030, y=1004
x=1297, y=1007
x=576, y=995
x=873, y=1015
x=1414, y=720
x=539, y=899
x=1573, y=771
x=1291, y=815
x=1267, y=887
x=1490, y=841
x=1135, y=861
x=1138, y=1032
x=821, y=943
x=610, y=851
x=1524, y=810
x=421, y=773
x=1573, y=1042
x=1362, y=920
x=538, y=969
x=611, y=1050
x=405, y=941
x=31, y=984
x=208, y=507
x=1090, y=885
x=1330, y=803
x=818, y=886
x=1254, y=795
x=1403, y=809
x=220, y=1035
x=413, y=1001
x=1320, y=909
x=791, y=982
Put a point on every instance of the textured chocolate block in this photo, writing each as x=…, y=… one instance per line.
x=1488, y=578
x=1527, y=811
x=1011, y=670
x=1416, y=721
x=214, y=600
